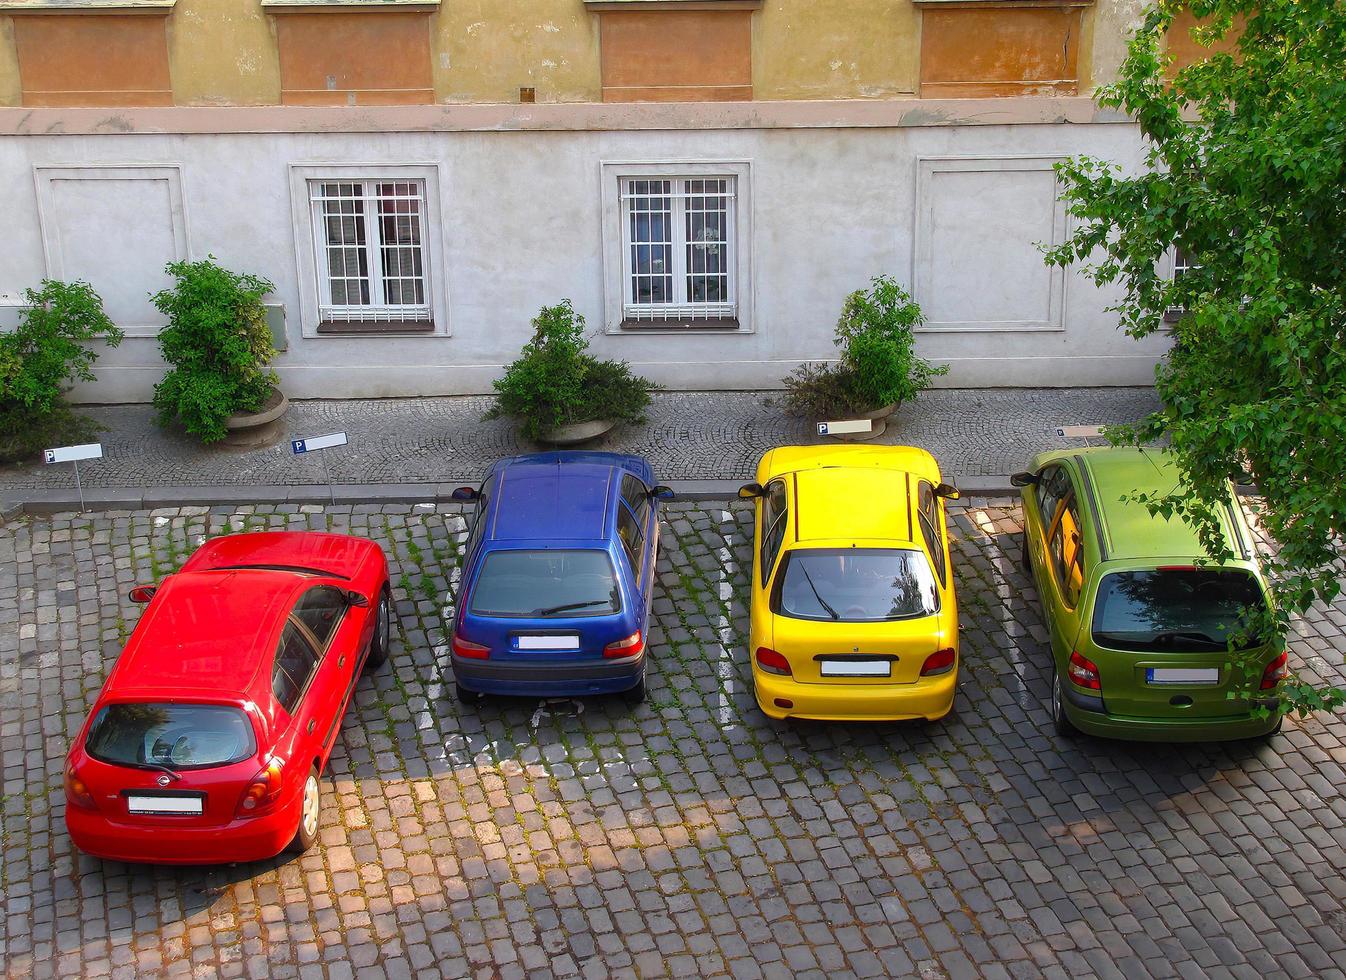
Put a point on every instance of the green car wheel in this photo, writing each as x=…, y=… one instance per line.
x=1059, y=719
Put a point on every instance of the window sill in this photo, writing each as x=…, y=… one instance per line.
x=1003, y=3
x=599, y=6
x=87, y=6
x=328, y=328
x=336, y=6
x=726, y=324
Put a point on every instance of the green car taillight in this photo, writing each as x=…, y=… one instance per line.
x=1276, y=672
x=1084, y=672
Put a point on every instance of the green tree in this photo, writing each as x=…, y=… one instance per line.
x=48, y=351
x=1246, y=173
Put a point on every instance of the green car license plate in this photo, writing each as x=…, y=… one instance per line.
x=1182, y=675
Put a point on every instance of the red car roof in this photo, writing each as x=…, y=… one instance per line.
x=339, y=555
x=207, y=632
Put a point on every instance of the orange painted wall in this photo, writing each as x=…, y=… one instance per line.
x=1185, y=51
x=378, y=58
x=93, y=60
x=676, y=55
x=976, y=52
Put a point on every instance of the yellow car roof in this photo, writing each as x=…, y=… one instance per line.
x=842, y=502
x=908, y=459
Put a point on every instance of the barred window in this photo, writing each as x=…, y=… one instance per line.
x=369, y=240
x=1182, y=264
x=678, y=244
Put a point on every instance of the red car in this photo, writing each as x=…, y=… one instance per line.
x=207, y=741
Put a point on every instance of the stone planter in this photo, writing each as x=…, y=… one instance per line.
x=577, y=432
x=256, y=430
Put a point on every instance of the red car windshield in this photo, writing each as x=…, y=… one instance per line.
x=175, y=736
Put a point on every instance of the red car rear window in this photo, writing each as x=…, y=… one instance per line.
x=178, y=736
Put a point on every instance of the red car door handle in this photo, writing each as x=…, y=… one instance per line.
x=311, y=723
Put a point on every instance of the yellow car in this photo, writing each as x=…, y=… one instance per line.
x=853, y=610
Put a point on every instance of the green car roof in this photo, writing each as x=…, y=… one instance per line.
x=1130, y=531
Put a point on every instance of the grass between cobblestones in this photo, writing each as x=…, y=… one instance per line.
x=690, y=835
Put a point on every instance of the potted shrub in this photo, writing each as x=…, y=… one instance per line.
x=218, y=346
x=878, y=368
x=560, y=393
x=39, y=360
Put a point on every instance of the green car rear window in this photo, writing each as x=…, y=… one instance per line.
x=1179, y=610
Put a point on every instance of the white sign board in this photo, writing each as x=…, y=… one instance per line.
x=70, y=454
x=844, y=428
x=318, y=442
x=1080, y=432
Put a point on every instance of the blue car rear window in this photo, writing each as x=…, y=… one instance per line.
x=546, y=585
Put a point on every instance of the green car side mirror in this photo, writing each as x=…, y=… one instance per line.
x=1024, y=479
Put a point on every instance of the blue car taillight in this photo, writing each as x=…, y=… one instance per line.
x=627, y=646
x=470, y=650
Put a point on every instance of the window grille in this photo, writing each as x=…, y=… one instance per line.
x=369, y=238
x=678, y=248
x=1182, y=264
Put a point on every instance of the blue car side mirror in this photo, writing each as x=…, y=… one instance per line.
x=662, y=492
x=465, y=494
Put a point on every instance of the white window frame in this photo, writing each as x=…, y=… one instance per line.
x=621, y=316
x=313, y=280
x=1176, y=268
x=378, y=308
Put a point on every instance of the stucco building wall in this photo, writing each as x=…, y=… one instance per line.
x=953, y=209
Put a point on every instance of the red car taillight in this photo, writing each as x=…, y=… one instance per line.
x=76, y=792
x=1277, y=671
x=1084, y=672
x=772, y=662
x=627, y=646
x=470, y=650
x=263, y=792
x=939, y=662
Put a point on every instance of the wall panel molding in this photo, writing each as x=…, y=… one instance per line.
x=117, y=238
x=967, y=207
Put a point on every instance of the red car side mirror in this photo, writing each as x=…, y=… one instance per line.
x=142, y=593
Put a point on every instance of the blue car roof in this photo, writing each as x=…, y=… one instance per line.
x=557, y=495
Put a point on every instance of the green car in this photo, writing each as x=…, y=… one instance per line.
x=1139, y=624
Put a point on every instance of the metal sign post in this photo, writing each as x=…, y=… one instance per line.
x=73, y=454
x=845, y=428
x=301, y=446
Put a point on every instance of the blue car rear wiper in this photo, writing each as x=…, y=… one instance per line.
x=570, y=605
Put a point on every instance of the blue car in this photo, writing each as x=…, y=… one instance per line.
x=558, y=571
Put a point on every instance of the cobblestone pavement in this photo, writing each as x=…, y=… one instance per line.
x=689, y=836
x=689, y=435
